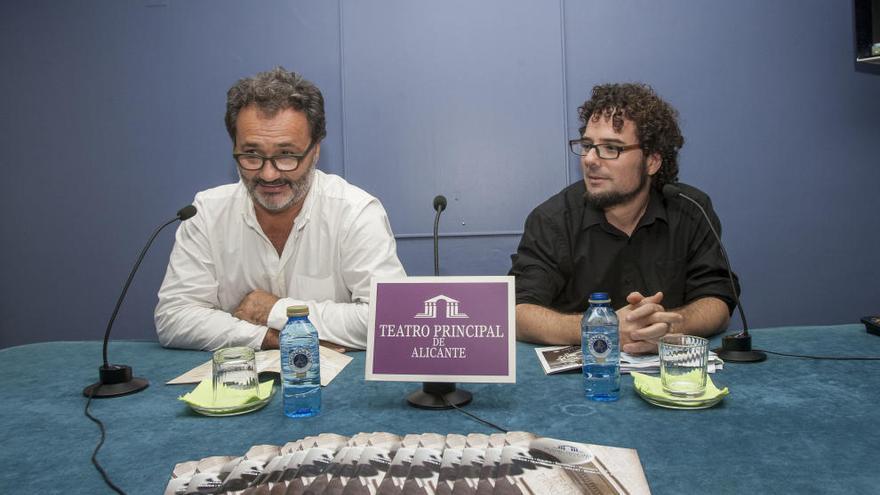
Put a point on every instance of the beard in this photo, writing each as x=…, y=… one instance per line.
x=610, y=199
x=298, y=190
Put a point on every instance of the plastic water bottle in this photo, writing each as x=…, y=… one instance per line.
x=600, y=344
x=300, y=364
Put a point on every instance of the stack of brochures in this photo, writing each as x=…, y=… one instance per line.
x=564, y=358
x=429, y=463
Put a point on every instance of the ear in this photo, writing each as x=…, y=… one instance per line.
x=654, y=163
x=317, y=154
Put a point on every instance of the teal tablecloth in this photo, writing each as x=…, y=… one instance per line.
x=789, y=425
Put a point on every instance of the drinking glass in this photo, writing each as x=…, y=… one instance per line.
x=683, y=360
x=234, y=372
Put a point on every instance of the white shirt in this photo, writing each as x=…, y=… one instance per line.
x=340, y=239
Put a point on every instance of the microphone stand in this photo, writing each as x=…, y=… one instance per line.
x=734, y=348
x=438, y=395
x=116, y=380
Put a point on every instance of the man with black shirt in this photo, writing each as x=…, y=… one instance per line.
x=615, y=232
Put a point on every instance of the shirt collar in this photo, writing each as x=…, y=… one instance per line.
x=655, y=210
x=592, y=216
x=246, y=206
x=306, y=213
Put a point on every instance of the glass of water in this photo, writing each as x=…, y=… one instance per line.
x=683, y=361
x=234, y=372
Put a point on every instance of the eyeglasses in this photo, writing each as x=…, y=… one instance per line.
x=605, y=151
x=285, y=162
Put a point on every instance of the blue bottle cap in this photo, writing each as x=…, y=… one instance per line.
x=599, y=298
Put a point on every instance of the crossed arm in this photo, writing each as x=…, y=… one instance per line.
x=642, y=321
x=255, y=308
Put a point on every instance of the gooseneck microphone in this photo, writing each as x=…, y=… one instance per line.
x=735, y=348
x=439, y=206
x=115, y=379
x=438, y=395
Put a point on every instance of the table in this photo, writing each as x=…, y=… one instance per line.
x=790, y=425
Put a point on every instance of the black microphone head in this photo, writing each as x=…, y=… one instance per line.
x=671, y=191
x=440, y=202
x=186, y=212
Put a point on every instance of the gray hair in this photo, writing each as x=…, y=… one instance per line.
x=273, y=91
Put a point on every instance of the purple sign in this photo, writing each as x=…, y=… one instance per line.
x=442, y=329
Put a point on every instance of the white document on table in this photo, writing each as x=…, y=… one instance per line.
x=332, y=363
x=557, y=359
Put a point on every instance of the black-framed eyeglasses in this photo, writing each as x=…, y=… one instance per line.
x=285, y=162
x=605, y=151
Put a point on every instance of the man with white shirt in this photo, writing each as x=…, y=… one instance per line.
x=286, y=234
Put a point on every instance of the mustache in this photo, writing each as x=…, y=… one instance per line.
x=277, y=182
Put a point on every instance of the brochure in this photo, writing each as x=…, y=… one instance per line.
x=430, y=463
x=557, y=359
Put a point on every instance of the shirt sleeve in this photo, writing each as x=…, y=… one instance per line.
x=538, y=260
x=706, y=269
x=188, y=314
x=367, y=250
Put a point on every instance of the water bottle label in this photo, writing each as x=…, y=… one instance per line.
x=600, y=346
x=299, y=359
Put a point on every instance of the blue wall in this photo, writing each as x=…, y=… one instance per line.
x=113, y=119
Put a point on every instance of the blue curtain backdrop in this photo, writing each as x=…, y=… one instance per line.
x=113, y=119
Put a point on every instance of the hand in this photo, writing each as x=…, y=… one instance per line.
x=270, y=340
x=643, y=321
x=255, y=307
x=332, y=346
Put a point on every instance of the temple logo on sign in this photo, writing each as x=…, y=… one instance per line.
x=430, y=310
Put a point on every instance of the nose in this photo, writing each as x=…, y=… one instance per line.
x=269, y=173
x=591, y=159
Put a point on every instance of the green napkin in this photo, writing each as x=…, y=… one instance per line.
x=203, y=395
x=650, y=386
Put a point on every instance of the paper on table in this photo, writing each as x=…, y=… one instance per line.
x=557, y=359
x=332, y=363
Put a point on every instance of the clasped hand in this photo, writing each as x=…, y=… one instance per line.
x=255, y=307
x=643, y=321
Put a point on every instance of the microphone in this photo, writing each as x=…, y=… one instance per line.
x=439, y=206
x=115, y=379
x=735, y=348
x=186, y=213
x=438, y=395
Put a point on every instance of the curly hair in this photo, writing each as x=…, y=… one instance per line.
x=273, y=91
x=655, y=120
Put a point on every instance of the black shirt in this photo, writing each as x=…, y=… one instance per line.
x=569, y=250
